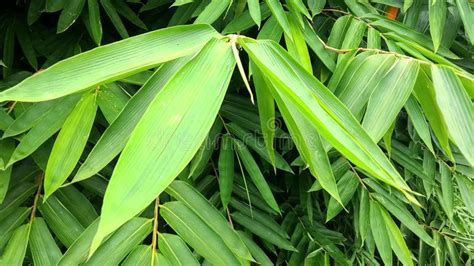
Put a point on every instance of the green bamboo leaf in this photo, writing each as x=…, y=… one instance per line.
x=397, y=242
x=255, y=174
x=321, y=107
x=456, y=108
x=447, y=191
x=94, y=21
x=213, y=11
x=110, y=62
x=317, y=45
x=437, y=18
x=373, y=39
x=277, y=10
x=158, y=148
x=296, y=44
x=256, y=251
x=347, y=185
x=425, y=94
x=43, y=248
x=69, y=14
x=70, y=143
x=266, y=110
x=418, y=119
x=61, y=221
x=254, y=9
x=180, y=2
x=15, y=219
x=115, y=18
x=15, y=250
x=364, y=214
x=186, y=194
x=115, y=137
x=77, y=203
x=226, y=169
x=118, y=245
x=380, y=233
x=175, y=250
x=309, y=144
x=197, y=234
x=262, y=231
x=467, y=16
x=389, y=96
x=405, y=217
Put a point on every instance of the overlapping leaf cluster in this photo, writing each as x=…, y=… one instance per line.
x=131, y=133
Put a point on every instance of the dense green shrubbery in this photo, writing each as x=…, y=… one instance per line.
x=268, y=132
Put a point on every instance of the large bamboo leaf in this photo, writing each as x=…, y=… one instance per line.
x=456, y=108
x=15, y=251
x=110, y=62
x=70, y=143
x=167, y=136
x=334, y=122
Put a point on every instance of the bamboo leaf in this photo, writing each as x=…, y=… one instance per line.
x=212, y=11
x=160, y=149
x=320, y=106
x=110, y=62
x=94, y=21
x=15, y=250
x=42, y=245
x=380, y=233
x=255, y=174
x=437, y=17
x=175, y=250
x=186, y=194
x=69, y=14
x=197, y=234
x=70, y=143
x=456, y=109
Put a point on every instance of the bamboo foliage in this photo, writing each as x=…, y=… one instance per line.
x=130, y=134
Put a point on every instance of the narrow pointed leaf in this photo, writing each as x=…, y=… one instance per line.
x=226, y=169
x=175, y=250
x=457, y=109
x=43, y=248
x=110, y=62
x=70, y=143
x=15, y=250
